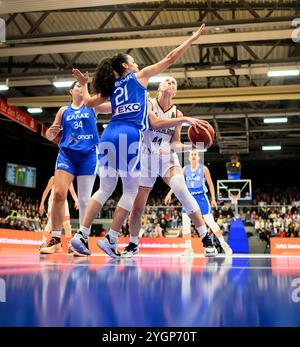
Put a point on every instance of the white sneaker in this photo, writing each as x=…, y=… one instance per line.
x=109, y=247
x=188, y=252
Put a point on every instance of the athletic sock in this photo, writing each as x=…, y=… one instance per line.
x=134, y=239
x=113, y=235
x=84, y=231
x=56, y=234
x=202, y=230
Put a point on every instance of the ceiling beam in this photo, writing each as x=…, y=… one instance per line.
x=195, y=5
x=127, y=30
x=18, y=6
x=47, y=78
x=145, y=43
x=188, y=96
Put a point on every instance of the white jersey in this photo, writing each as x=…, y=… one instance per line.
x=154, y=140
x=153, y=162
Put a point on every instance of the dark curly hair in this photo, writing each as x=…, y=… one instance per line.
x=105, y=74
x=73, y=85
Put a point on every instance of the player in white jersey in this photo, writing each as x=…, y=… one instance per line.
x=159, y=158
x=195, y=176
x=66, y=222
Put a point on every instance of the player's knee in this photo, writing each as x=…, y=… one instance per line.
x=102, y=195
x=60, y=194
x=127, y=199
x=83, y=201
x=177, y=184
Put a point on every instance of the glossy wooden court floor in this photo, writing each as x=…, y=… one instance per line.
x=149, y=291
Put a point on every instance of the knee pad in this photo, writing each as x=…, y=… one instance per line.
x=209, y=220
x=177, y=184
x=84, y=187
x=130, y=190
x=107, y=187
x=186, y=224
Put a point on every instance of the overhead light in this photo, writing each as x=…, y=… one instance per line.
x=157, y=79
x=63, y=84
x=35, y=110
x=275, y=120
x=104, y=125
x=3, y=87
x=280, y=73
x=271, y=148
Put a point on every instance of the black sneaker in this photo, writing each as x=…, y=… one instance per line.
x=130, y=250
x=209, y=248
x=53, y=246
x=80, y=245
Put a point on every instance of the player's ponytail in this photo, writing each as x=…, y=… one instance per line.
x=105, y=74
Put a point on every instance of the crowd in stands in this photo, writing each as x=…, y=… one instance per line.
x=18, y=210
x=273, y=212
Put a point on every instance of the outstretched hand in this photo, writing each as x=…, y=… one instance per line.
x=197, y=33
x=80, y=77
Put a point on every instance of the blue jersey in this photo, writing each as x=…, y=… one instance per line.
x=79, y=129
x=129, y=102
x=195, y=180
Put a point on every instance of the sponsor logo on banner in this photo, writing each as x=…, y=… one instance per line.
x=285, y=246
x=18, y=116
x=156, y=245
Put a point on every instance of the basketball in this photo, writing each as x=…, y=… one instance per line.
x=206, y=135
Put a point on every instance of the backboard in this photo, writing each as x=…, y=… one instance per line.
x=226, y=188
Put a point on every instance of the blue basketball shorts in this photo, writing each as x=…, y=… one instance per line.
x=120, y=148
x=78, y=163
x=203, y=203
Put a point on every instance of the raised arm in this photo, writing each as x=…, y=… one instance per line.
x=45, y=194
x=211, y=186
x=90, y=101
x=174, y=55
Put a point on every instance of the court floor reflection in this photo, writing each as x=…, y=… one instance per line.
x=60, y=290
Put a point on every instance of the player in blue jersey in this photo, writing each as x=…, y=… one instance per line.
x=77, y=157
x=195, y=176
x=122, y=138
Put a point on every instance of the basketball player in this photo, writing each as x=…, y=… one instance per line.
x=195, y=176
x=66, y=222
x=77, y=157
x=158, y=160
x=128, y=96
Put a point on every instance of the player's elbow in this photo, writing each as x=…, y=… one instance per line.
x=170, y=59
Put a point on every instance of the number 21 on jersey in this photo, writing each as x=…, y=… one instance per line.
x=122, y=95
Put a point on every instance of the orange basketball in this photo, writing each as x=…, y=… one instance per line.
x=206, y=135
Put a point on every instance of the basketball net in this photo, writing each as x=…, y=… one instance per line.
x=234, y=201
